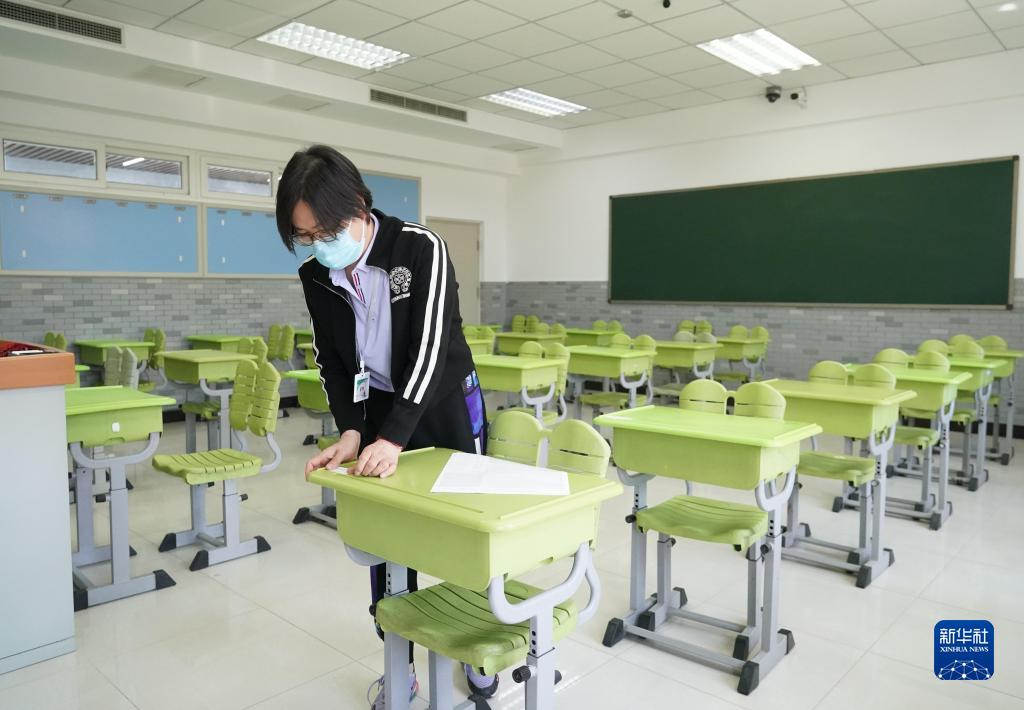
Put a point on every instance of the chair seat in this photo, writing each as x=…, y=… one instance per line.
x=209, y=466
x=731, y=375
x=669, y=389
x=614, y=400
x=919, y=436
x=838, y=467
x=548, y=416
x=706, y=519
x=963, y=416
x=147, y=386
x=207, y=409
x=458, y=623
x=917, y=413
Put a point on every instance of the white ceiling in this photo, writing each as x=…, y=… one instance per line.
x=582, y=51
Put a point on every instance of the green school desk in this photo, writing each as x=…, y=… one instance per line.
x=1006, y=377
x=200, y=368
x=313, y=400
x=303, y=335
x=616, y=365
x=94, y=352
x=107, y=416
x=486, y=539
x=698, y=358
x=79, y=369
x=588, y=336
x=496, y=327
x=519, y=375
x=214, y=341
x=750, y=351
x=509, y=343
x=480, y=346
x=935, y=392
x=721, y=450
x=979, y=389
x=855, y=412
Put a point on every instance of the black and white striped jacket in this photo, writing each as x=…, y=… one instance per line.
x=429, y=355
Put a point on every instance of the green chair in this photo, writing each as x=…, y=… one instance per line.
x=515, y=436
x=959, y=338
x=733, y=375
x=704, y=396
x=685, y=326
x=965, y=413
x=892, y=356
x=933, y=345
x=554, y=351
x=253, y=407
x=155, y=363
x=673, y=388
x=55, y=340
x=705, y=336
x=518, y=323
x=286, y=347
x=644, y=342
x=129, y=369
x=615, y=325
x=531, y=323
x=274, y=335
x=112, y=372
x=923, y=439
x=683, y=336
x=828, y=371
x=539, y=328
x=599, y=325
x=620, y=340
x=702, y=326
x=557, y=329
x=993, y=343
x=470, y=332
x=454, y=623
x=531, y=348
x=611, y=399
x=874, y=375
x=486, y=333
x=48, y=339
x=760, y=333
x=739, y=331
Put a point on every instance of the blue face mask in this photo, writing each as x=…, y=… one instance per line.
x=340, y=252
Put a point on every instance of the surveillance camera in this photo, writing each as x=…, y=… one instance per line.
x=773, y=93
x=666, y=4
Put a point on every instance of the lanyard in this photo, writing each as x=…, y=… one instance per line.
x=369, y=317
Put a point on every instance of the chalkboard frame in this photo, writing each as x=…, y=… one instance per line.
x=1015, y=183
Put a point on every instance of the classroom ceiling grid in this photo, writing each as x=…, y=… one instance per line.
x=583, y=51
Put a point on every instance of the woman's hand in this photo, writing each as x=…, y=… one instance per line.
x=378, y=459
x=334, y=455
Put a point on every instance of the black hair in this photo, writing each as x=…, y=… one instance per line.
x=325, y=180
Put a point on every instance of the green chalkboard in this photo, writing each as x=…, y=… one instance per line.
x=939, y=235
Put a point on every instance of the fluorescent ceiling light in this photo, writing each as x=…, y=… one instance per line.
x=1008, y=7
x=534, y=102
x=329, y=45
x=133, y=161
x=759, y=52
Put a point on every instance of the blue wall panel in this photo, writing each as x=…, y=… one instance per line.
x=58, y=233
x=398, y=197
x=247, y=242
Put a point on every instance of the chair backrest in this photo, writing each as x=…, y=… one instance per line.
x=757, y=399
x=259, y=349
x=577, y=447
x=683, y=336
x=274, y=339
x=644, y=342
x=485, y=332
x=874, y=375
x=685, y=326
x=49, y=339
x=828, y=371
x=245, y=345
x=129, y=369
x=933, y=345
x=892, y=356
x=621, y=340
x=959, y=338
x=931, y=360
x=159, y=340
x=704, y=396
x=705, y=336
x=531, y=348
x=541, y=328
x=560, y=354
x=557, y=329
x=514, y=436
x=993, y=343
x=967, y=348
x=518, y=323
x=531, y=322
x=147, y=334
x=255, y=397
x=615, y=325
x=470, y=331
x=599, y=325
x=759, y=332
x=739, y=331
x=702, y=326
x=287, y=344
x=112, y=367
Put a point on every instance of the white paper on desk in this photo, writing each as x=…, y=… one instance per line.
x=470, y=473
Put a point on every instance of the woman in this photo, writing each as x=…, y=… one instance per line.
x=387, y=335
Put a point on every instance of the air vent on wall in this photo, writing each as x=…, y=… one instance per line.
x=60, y=22
x=411, y=104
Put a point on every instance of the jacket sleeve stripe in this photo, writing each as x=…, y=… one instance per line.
x=438, y=321
x=429, y=317
x=319, y=365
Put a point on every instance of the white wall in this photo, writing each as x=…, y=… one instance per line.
x=961, y=110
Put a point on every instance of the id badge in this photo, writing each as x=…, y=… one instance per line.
x=361, y=387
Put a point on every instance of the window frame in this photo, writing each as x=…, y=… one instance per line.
x=213, y=196
x=147, y=153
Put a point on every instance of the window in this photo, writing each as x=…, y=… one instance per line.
x=238, y=181
x=41, y=159
x=135, y=169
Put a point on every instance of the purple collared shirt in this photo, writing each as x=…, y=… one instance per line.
x=370, y=297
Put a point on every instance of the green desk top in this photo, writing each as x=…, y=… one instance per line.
x=201, y=356
x=1013, y=354
x=909, y=374
x=409, y=490
x=513, y=362
x=685, y=345
x=530, y=336
x=590, y=331
x=305, y=332
x=478, y=341
x=115, y=343
x=90, y=400
x=305, y=346
x=81, y=368
x=609, y=352
x=741, y=341
x=971, y=363
x=725, y=428
x=215, y=338
x=847, y=394
x=302, y=375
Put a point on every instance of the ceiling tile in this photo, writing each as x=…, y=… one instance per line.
x=656, y=12
x=439, y=94
x=298, y=102
x=654, y=88
x=588, y=22
x=473, y=57
x=180, y=28
x=425, y=71
x=688, y=99
x=336, y=68
x=590, y=118
x=564, y=86
x=117, y=12
x=830, y=25
x=720, y=73
x=876, y=63
x=720, y=21
x=738, y=89
x=416, y=39
x=602, y=98
x=352, y=19
x=536, y=9
x=574, y=59
x=528, y=40
x=617, y=74
x=409, y=9
x=961, y=24
x=164, y=7
x=472, y=20
x=678, y=60
x=1012, y=38
x=475, y=85
x=956, y=48
x=230, y=17
x=999, y=20
x=281, y=54
x=637, y=43
x=887, y=13
x=773, y=11
x=851, y=47
x=238, y=89
x=293, y=8
x=389, y=81
x=636, y=108
x=807, y=76
x=522, y=72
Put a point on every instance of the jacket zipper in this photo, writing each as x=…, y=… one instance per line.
x=355, y=340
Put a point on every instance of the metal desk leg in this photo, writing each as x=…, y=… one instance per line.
x=223, y=416
x=537, y=402
x=326, y=512
x=879, y=558
x=979, y=475
x=1006, y=450
x=943, y=509
x=396, y=648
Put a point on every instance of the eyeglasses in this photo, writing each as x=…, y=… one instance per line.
x=306, y=240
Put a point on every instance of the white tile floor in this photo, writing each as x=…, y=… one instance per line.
x=289, y=628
